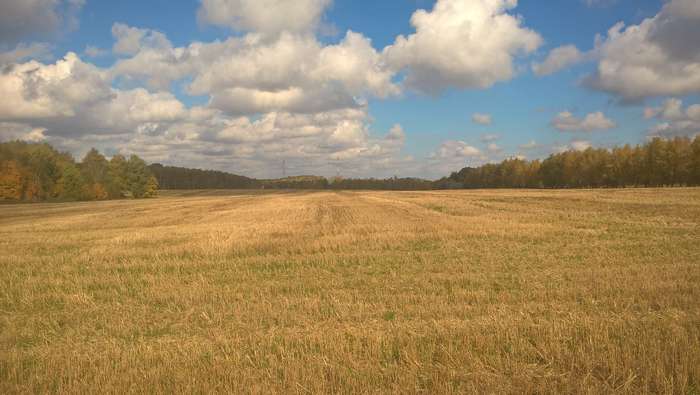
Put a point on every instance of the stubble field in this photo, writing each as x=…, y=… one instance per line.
x=354, y=292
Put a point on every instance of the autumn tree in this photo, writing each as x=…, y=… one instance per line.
x=95, y=170
x=151, y=187
x=11, y=182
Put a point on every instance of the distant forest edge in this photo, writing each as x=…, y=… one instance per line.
x=38, y=172
x=170, y=177
x=657, y=163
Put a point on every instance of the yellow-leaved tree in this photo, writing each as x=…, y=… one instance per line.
x=151, y=187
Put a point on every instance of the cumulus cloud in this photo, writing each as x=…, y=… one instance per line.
x=130, y=40
x=657, y=57
x=274, y=92
x=676, y=120
x=94, y=52
x=73, y=105
x=266, y=17
x=567, y=122
x=292, y=73
x=35, y=90
x=576, y=145
x=453, y=155
x=670, y=110
x=464, y=44
x=580, y=145
x=22, y=19
x=558, y=59
x=456, y=149
x=153, y=59
x=74, y=98
x=25, y=51
x=494, y=148
x=396, y=133
x=18, y=131
x=481, y=119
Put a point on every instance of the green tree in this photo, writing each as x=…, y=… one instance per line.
x=118, y=170
x=71, y=185
x=657, y=168
x=95, y=169
x=694, y=166
x=138, y=176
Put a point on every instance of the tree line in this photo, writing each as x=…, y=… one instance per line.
x=38, y=172
x=658, y=163
x=390, y=184
x=171, y=177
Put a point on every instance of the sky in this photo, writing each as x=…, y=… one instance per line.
x=360, y=88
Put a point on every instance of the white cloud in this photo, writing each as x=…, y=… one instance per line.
x=35, y=90
x=566, y=121
x=482, y=119
x=671, y=110
x=72, y=105
x=456, y=149
x=657, y=57
x=463, y=44
x=355, y=64
x=494, y=148
x=21, y=19
x=677, y=121
x=558, y=59
x=295, y=74
x=267, y=17
x=576, y=145
x=18, y=131
x=94, y=52
x=290, y=73
x=155, y=61
x=275, y=92
x=130, y=40
x=25, y=51
x=490, y=137
x=532, y=144
x=685, y=8
x=453, y=155
x=396, y=133
x=580, y=145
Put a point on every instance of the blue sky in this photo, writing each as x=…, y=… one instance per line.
x=395, y=126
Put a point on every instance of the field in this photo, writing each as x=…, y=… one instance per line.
x=354, y=292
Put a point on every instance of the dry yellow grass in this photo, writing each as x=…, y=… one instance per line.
x=354, y=292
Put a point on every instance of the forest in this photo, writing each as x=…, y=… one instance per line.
x=657, y=163
x=38, y=172
x=171, y=177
